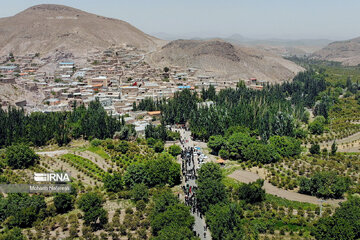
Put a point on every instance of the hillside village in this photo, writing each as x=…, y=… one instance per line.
x=117, y=77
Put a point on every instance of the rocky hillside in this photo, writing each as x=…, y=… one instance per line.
x=225, y=59
x=48, y=28
x=346, y=52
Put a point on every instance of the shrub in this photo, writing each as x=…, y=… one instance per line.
x=252, y=192
x=20, y=156
x=174, y=150
x=95, y=142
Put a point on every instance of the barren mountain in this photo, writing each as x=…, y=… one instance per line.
x=226, y=60
x=346, y=52
x=47, y=28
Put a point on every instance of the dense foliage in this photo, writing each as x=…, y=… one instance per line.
x=20, y=156
x=94, y=214
x=273, y=111
x=344, y=224
x=251, y=192
x=211, y=190
x=325, y=185
x=169, y=217
x=21, y=210
x=63, y=202
x=241, y=146
x=39, y=128
x=159, y=171
x=224, y=221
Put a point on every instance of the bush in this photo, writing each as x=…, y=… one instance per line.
x=63, y=202
x=114, y=182
x=122, y=146
x=325, y=185
x=159, y=146
x=140, y=205
x=174, y=150
x=20, y=156
x=95, y=142
x=317, y=126
x=315, y=149
x=252, y=192
x=140, y=192
x=216, y=143
x=286, y=146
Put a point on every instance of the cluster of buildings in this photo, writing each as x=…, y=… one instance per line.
x=117, y=77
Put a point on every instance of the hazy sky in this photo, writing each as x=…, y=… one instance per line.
x=290, y=19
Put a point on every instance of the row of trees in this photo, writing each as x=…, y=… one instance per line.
x=39, y=128
x=275, y=110
x=242, y=146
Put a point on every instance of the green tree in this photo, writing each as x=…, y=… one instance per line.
x=325, y=185
x=95, y=215
x=252, y=192
x=122, y=146
x=317, y=126
x=286, y=146
x=237, y=143
x=223, y=220
x=174, y=150
x=21, y=210
x=333, y=148
x=175, y=233
x=113, y=182
x=175, y=215
x=344, y=224
x=140, y=192
x=90, y=200
x=20, y=156
x=261, y=153
x=314, y=149
x=135, y=173
x=12, y=234
x=162, y=170
x=159, y=146
x=63, y=202
x=216, y=143
x=210, y=192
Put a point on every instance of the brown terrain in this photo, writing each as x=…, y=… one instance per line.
x=220, y=58
x=60, y=30
x=50, y=28
x=346, y=52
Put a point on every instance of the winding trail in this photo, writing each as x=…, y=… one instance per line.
x=247, y=177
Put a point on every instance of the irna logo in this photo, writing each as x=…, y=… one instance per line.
x=52, y=177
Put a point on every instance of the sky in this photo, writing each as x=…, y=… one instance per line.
x=283, y=19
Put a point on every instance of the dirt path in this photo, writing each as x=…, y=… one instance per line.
x=53, y=153
x=346, y=140
x=247, y=177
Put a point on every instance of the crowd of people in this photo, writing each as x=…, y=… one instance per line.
x=189, y=173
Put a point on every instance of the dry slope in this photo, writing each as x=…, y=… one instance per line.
x=48, y=28
x=226, y=60
x=346, y=52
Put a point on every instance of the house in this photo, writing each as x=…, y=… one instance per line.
x=154, y=113
x=11, y=68
x=66, y=65
x=98, y=80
